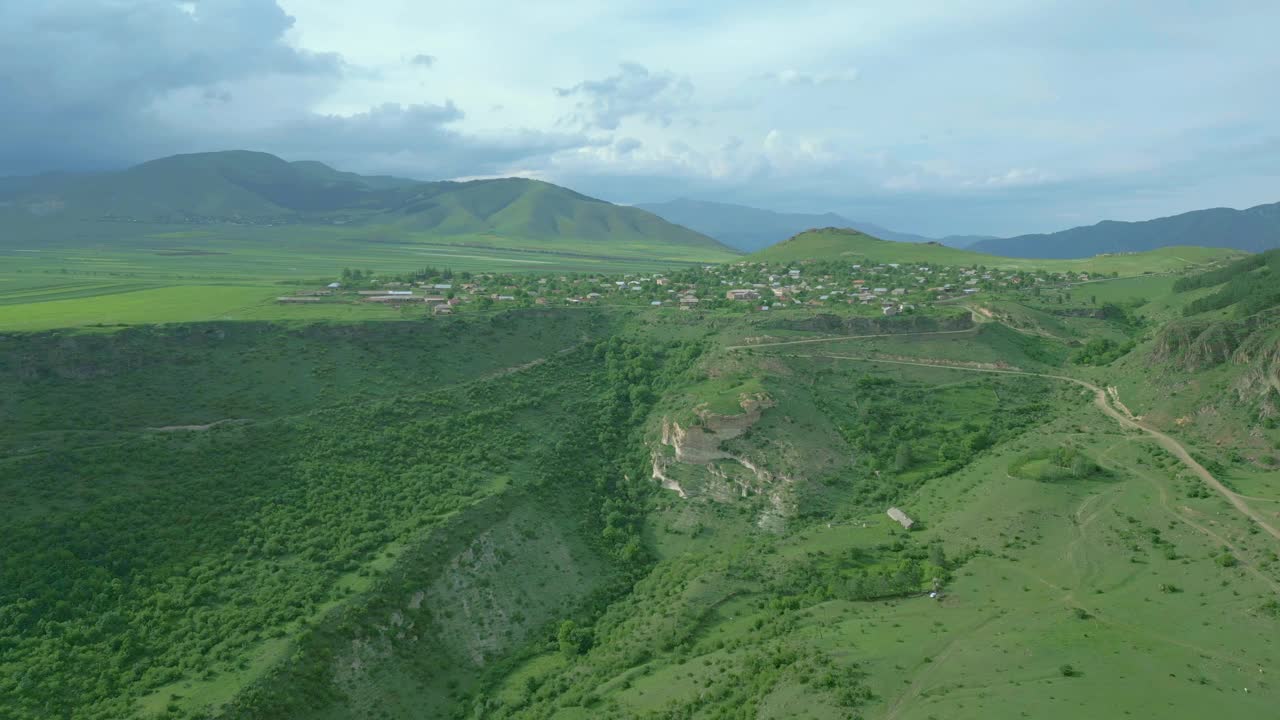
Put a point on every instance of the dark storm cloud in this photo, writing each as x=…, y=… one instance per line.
x=91, y=84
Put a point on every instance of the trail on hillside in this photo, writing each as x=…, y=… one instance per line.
x=199, y=428
x=1100, y=399
x=839, y=338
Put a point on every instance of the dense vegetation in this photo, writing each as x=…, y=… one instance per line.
x=1251, y=285
x=463, y=517
x=911, y=432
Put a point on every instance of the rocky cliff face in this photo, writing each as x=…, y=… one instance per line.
x=1260, y=381
x=1252, y=345
x=1195, y=344
x=693, y=461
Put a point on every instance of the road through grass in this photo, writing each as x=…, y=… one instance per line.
x=1103, y=403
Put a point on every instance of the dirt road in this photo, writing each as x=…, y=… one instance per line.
x=1100, y=399
x=839, y=338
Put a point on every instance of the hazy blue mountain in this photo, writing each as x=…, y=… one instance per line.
x=1254, y=230
x=749, y=229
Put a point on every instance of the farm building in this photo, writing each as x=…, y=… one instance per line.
x=742, y=295
x=393, y=299
x=901, y=518
x=296, y=299
x=441, y=310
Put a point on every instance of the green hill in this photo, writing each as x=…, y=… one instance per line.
x=750, y=229
x=1254, y=229
x=839, y=243
x=253, y=188
x=515, y=206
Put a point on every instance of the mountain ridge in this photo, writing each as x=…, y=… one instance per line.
x=248, y=187
x=749, y=228
x=1253, y=229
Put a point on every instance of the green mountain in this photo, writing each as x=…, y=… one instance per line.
x=841, y=243
x=748, y=228
x=1253, y=230
x=241, y=187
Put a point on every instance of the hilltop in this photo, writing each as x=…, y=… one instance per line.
x=1254, y=230
x=749, y=228
x=253, y=189
x=840, y=243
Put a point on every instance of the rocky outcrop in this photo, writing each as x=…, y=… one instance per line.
x=697, y=452
x=1260, y=380
x=1195, y=344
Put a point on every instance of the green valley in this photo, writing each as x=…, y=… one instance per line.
x=639, y=361
x=619, y=509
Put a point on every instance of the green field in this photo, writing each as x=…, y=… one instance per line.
x=833, y=244
x=159, y=274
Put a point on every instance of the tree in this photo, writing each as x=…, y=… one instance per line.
x=937, y=555
x=902, y=460
x=1081, y=466
x=572, y=640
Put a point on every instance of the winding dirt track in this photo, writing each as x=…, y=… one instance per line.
x=1126, y=421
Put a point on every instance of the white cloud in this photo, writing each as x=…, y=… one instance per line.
x=798, y=78
x=633, y=92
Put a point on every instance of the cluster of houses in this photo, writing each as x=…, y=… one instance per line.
x=892, y=287
x=887, y=288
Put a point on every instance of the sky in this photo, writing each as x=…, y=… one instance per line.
x=994, y=117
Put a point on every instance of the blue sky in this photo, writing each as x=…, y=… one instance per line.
x=997, y=117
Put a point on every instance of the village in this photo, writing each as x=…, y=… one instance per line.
x=864, y=287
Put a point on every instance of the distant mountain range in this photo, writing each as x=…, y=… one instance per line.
x=1254, y=230
x=750, y=229
x=253, y=188
x=256, y=188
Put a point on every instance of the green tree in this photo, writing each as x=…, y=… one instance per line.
x=902, y=460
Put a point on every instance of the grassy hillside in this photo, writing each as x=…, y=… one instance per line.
x=515, y=206
x=212, y=196
x=836, y=243
x=622, y=512
x=1254, y=230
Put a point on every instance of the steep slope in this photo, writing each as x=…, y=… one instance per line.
x=1254, y=230
x=516, y=206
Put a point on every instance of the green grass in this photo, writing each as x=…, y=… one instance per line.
x=156, y=305
x=400, y=516
x=855, y=247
